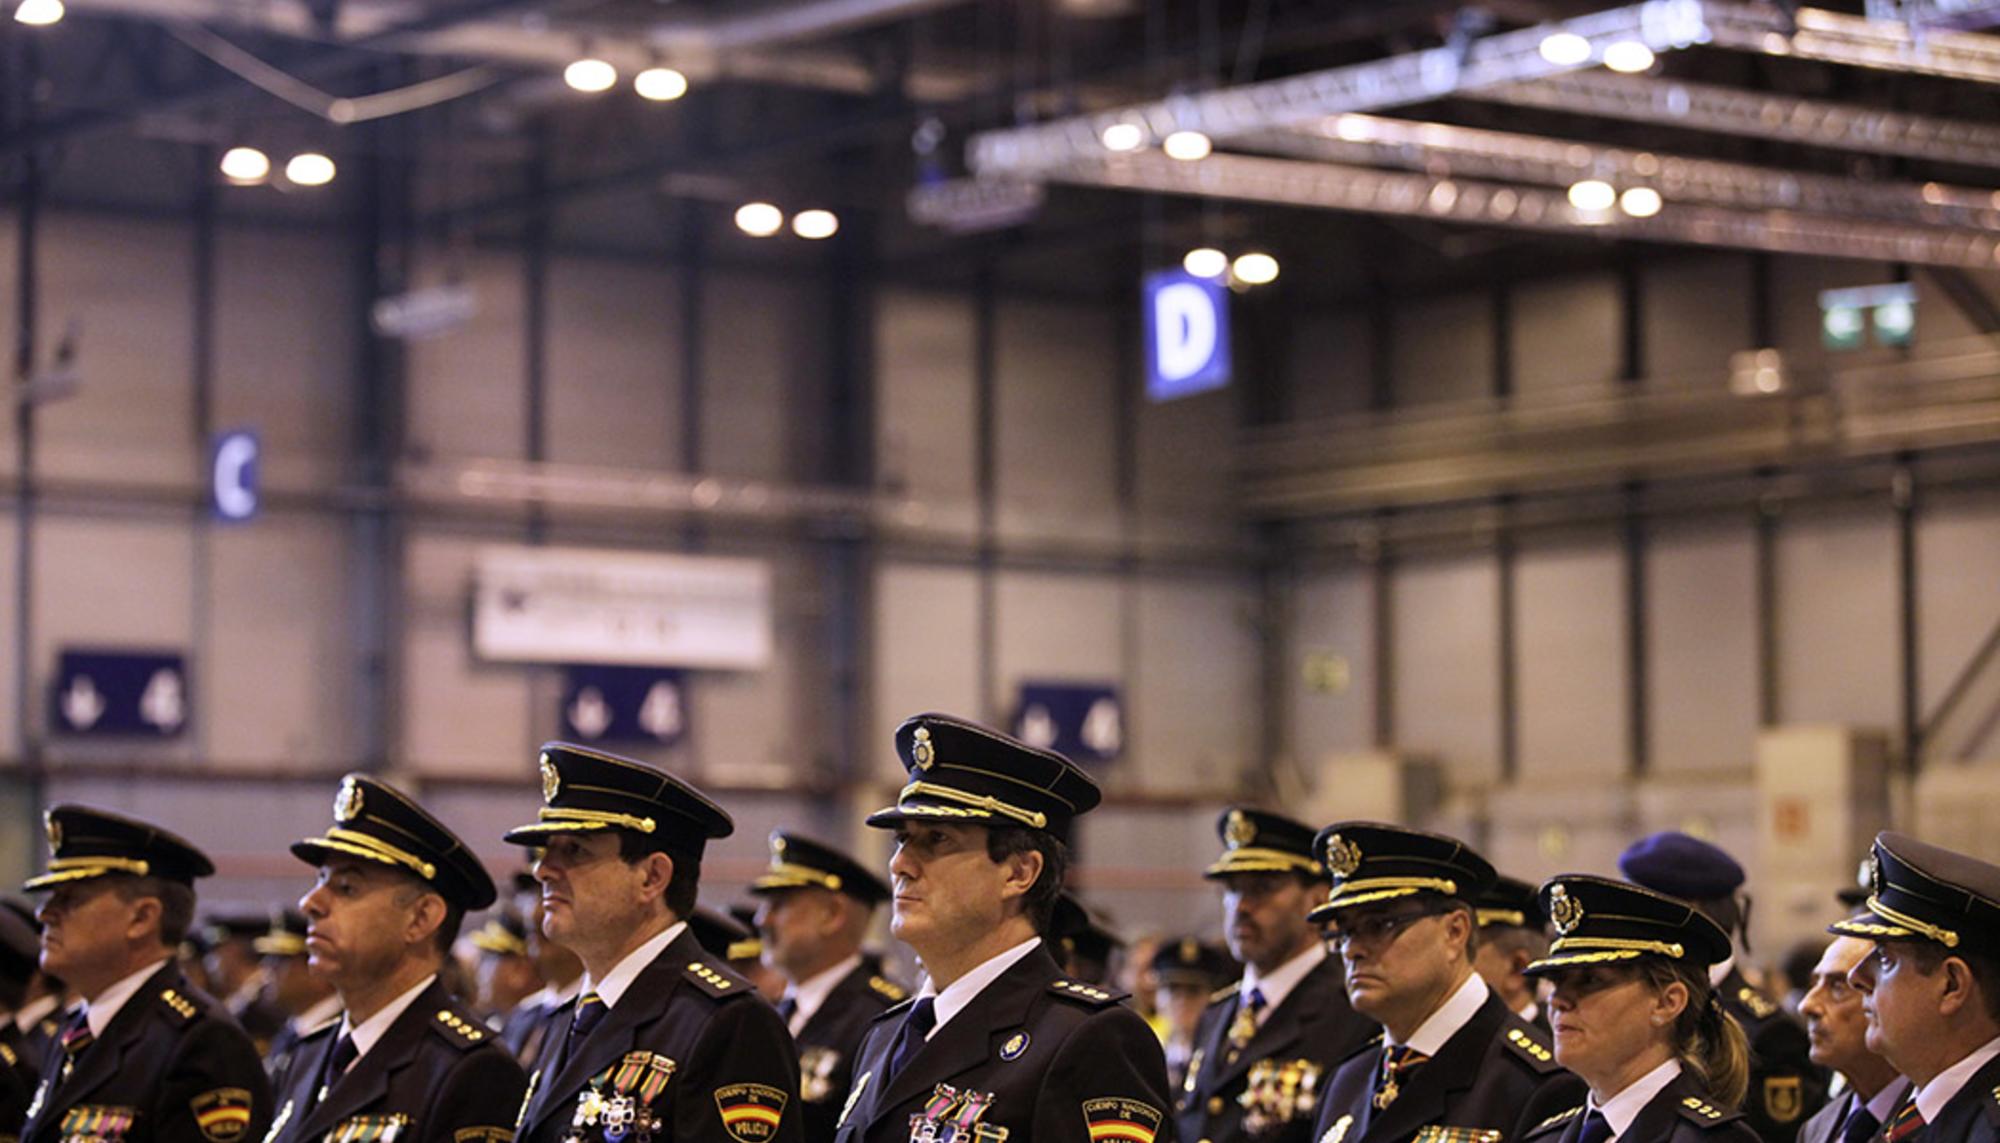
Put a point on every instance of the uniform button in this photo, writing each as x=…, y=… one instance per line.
x=1214, y=1107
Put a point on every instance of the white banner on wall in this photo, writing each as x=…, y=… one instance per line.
x=583, y=605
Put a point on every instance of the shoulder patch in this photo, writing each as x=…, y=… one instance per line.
x=1528, y=1045
x=888, y=989
x=180, y=1004
x=1086, y=994
x=460, y=1030
x=1756, y=1003
x=1703, y=1112
x=1222, y=994
x=716, y=980
x=1557, y=1120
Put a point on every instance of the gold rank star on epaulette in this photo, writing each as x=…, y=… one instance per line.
x=1698, y=1107
x=467, y=1030
x=711, y=981
x=1077, y=990
x=888, y=989
x=180, y=1004
x=1558, y=1117
x=1526, y=1045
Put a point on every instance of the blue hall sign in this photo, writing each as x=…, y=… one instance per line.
x=1187, y=334
x=1082, y=721
x=138, y=693
x=624, y=704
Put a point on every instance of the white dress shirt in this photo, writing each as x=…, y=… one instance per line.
x=961, y=992
x=809, y=994
x=1932, y=1097
x=626, y=971
x=1452, y=1015
x=1621, y=1109
x=370, y=1031
x=1282, y=980
x=98, y=1010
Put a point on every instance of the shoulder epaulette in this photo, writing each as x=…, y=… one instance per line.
x=1703, y=1112
x=716, y=980
x=1088, y=994
x=1756, y=1003
x=1993, y=1106
x=8, y=1057
x=888, y=989
x=180, y=1004
x=1527, y=1044
x=1556, y=1120
x=1222, y=994
x=459, y=1030
x=1370, y=1044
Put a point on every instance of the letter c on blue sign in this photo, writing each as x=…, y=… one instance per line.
x=233, y=475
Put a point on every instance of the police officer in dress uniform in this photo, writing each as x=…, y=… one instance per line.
x=666, y=1044
x=145, y=1058
x=236, y=974
x=525, y=1032
x=506, y=975
x=1786, y=1088
x=309, y=1002
x=1264, y=1047
x=20, y=949
x=1931, y=987
x=1512, y=935
x=1453, y=1063
x=815, y=906
x=36, y=1017
x=1838, y=1028
x=1186, y=972
x=1636, y=1017
x=408, y=1062
x=1086, y=941
x=999, y=1041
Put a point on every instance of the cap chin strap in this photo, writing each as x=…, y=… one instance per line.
x=985, y=802
x=1943, y=936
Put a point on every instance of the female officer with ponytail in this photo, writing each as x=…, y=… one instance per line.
x=1634, y=1015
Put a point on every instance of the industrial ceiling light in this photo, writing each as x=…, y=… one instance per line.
x=591, y=75
x=1254, y=269
x=1206, y=262
x=309, y=169
x=815, y=224
x=1628, y=56
x=759, y=219
x=1565, y=49
x=1187, y=146
x=660, y=84
x=1123, y=137
x=245, y=166
x=38, y=13
x=1592, y=196
x=1640, y=202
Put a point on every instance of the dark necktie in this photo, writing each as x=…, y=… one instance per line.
x=788, y=1008
x=590, y=1010
x=1244, y=1026
x=1398, y=1061
x=916, y=1027
x=1906, y=1123
x=1860, y=1126
x=75, y=1038
x=1596, y=1129
x=337, y=1062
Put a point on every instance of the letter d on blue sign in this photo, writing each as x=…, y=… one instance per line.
x=1187, y=334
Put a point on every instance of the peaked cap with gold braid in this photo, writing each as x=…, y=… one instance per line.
x=1599, y=920
x=86, y=843
x=1376, y=861
x=802, y=863
x=376, y=822
x=1259, y=841
x=962, y=773
x=584, y=791
x=1921, y=892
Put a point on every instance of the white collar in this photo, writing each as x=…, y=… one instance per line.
x=626, y=971
x=35, y=1011
x=1886, y=1101
x=1932, y=1097
x=246, y=993
x=961, y=992
x=318, y=1016
x=371, y=1030
x=1283, y=979
x=1621, y=1109
x=1717, y=973
x=1529, y=1013
x=1452, y=1015
x=810, y=993
x=98, y=1010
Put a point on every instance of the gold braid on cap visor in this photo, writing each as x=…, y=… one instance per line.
x=601, y=819
x=1943, y=936
x=1259, y=859
x=987, y=802
x=1513, y=917
x=802, y=875
x=1674, y=950
x=1442, y=885
x=77, y=868
x=375, y=849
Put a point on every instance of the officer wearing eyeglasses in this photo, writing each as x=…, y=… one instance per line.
x=1451, y=1054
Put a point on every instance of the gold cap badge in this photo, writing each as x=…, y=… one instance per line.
x=1343, y=857
x=55, y=832
x=1871, y=873
x=1565, y=910
x=551, y=781
x=1238, y=830
x=921, y=751
x=347, y=803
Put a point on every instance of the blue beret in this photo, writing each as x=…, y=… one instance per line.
x=1682, y=866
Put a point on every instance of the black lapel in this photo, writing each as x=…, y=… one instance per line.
x=1285, y=1025
x=831, y=1011
x=99, y=1062
x=1424, y=1096
x=1213, y=1047
x=368, y=1080
x=645, y=1001
x=1964, y=1109
x=1656, y=1119
x=968, y=1039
